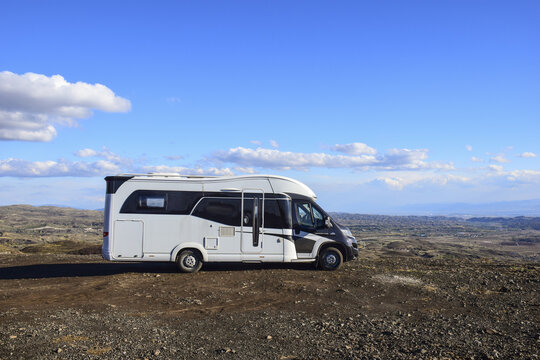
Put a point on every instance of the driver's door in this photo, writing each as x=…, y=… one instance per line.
x=308, y=226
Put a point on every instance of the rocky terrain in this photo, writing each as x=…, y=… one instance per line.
x=425, y=297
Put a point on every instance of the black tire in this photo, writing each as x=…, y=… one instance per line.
x=189, y=261
x=330, y=259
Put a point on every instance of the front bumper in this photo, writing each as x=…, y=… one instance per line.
x=351, y=252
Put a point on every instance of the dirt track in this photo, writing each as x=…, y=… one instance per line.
x=69, y=306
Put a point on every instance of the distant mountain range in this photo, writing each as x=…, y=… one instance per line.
x=501, y=208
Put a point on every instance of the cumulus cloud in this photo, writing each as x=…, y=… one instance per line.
x=407, y=179
x=468, y=147
x=86, y=153
x=274, y=144
x=24, y=168
x=245, y=170
x=499, y=159
x=103, y=154
x=496, y=168
x=527, y=154
x=477, y=159
x=354, y=149
x=32, y=104
x=212, y=171
x=255, y=142
x=393, y=159
x=525, y=176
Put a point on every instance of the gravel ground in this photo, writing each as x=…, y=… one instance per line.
x=79, y=307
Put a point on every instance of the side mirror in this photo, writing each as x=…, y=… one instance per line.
x=296, y=229
x=327, y=222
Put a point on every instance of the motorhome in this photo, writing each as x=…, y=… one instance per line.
x=191, y=220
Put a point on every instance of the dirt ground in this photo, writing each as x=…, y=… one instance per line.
x=81, y=307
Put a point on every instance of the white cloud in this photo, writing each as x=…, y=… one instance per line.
x=394, y=159
x=527, y=154
x=255, y=142
x=24, y=168
x=468, y=147
x=477, y=159
x=86, y=153
x=104, y=154
x=212, y=171
x=419, y=179
x=526, y=176
x=31, y=104
x=354, y=149
x=244, y=170
x=496, y=168
x=499, y=159
x=274, y=144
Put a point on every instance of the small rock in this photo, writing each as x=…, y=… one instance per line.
x=13, y=336
x=269, y=337
x=157, y=352
x=59, y=350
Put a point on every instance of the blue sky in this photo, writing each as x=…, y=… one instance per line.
x=374, y=104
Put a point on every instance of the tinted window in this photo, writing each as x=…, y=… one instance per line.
x=303, y=213
x=152, y=201
x=276, y=213
x=319, y=218
x=272, y=215
x=285, y=210
x=160, y=202
x=182, y=202
x=224, y=211
x=248, y=212
x=307, y=215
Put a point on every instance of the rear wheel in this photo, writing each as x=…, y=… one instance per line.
x=330, y=259
x=189, y=261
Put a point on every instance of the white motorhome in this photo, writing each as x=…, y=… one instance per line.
x=191, y=220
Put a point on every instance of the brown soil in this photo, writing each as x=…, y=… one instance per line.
x=78, y=306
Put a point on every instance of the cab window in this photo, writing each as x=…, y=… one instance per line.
x=303, y=214
x=307, y=215
x=319, y=218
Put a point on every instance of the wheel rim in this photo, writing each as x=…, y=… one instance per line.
x=190, y=261
x=331, y=259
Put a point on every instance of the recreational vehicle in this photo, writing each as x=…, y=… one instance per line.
x=191, y=220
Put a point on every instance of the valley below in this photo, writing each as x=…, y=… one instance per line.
x=422, y=288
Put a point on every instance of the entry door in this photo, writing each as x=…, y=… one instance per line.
x=252, y=220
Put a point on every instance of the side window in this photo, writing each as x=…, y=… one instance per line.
x=303, y=213
x=272, y=215
x=224, y=211
x=285, y=210
x=151, y=201
x=248, y=212
x=319, y=218
x=276, y=213
x=160, y=202
x=181, y=202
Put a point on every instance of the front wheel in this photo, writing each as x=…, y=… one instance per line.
x=330, y=259
x=189, y=261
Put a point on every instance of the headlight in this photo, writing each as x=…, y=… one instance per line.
x=348, y=232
